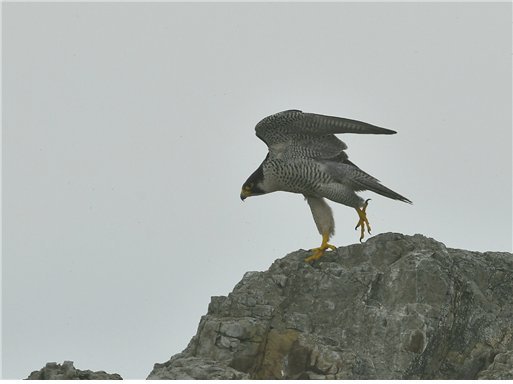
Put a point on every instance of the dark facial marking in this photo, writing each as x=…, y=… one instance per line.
x=254, y=179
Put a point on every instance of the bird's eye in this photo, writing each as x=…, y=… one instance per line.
x=247, y=187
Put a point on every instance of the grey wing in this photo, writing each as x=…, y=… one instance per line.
x=349, y=174
x=292, y=131
x=276, y=128
x=321, y=124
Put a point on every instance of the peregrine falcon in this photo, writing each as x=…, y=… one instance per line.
x=306, y=157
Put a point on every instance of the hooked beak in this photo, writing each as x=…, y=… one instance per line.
x=244, y=193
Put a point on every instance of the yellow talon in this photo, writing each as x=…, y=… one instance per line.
x=363, y=220
x=318, y=252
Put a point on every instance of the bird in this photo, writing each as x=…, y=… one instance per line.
x=305, y=157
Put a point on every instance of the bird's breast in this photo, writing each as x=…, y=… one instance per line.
x=299, y=176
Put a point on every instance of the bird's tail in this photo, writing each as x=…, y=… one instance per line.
x=348, y=173
x=377, y=187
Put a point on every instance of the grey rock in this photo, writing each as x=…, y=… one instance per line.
x=500, y=369
x=189, y=368
x=66, y=371
x=394, y=307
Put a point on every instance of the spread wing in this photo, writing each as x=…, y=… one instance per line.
x=292, y=133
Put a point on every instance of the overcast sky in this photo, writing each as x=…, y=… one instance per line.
x=128, y=130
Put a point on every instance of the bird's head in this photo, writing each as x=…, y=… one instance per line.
x=254, y=185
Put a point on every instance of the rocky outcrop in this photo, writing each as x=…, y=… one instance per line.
x=500, y=369
x=66, y=371
x=395, y=307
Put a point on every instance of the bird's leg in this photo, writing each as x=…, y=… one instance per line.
x=363, y=220
x=318, y=252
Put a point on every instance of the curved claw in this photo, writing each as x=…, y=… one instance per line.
x=315, y=256
x=362, y=222
x=318, y=252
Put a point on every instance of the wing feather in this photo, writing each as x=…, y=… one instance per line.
x=293, y=124
x=321, y=124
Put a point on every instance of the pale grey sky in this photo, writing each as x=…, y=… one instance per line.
x=128, y=131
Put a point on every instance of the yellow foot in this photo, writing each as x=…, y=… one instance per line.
x=318, y=252
x=363, y=220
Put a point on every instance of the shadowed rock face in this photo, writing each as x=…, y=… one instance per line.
x=395, y=307
x=66, y=371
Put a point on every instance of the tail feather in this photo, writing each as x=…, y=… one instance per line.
x=348, y=173
x=377, y=187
